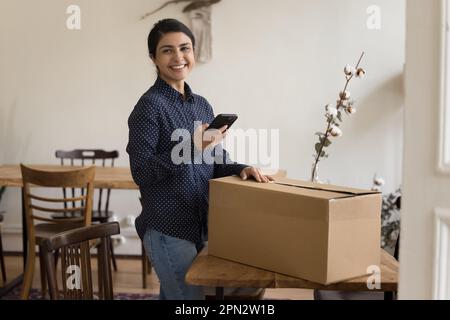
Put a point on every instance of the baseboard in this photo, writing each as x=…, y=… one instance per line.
x=118, y=256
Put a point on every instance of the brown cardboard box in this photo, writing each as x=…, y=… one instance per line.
x=317, y=232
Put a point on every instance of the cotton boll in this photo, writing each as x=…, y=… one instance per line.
x=351, y=110
x=335, y=131
x=345, y=95
x=349, y=70
x=331, y=110
x=360, y=72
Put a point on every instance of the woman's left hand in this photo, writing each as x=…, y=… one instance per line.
x=256, y=174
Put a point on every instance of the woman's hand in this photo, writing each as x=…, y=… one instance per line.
x=208, y=138
x=256, y=174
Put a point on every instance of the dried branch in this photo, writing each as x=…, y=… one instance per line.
x=334, y=114
x=194, y=4
x=199, y=4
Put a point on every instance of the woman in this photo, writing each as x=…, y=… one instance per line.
x=173, y=222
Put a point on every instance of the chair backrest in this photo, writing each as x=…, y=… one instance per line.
x=93, y=157
x=2, y=190
x=76, y=273
x=36, y=206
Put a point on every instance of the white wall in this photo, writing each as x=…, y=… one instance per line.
x=275, y=64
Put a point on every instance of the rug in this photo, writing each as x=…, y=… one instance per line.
x=35, y=294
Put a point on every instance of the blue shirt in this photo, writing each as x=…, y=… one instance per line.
x=174, y=196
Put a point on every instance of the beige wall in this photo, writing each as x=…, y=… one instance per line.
x=275, y=64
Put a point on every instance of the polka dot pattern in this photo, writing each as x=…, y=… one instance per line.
x=174, y=196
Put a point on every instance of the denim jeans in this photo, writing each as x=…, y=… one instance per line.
x=171, y=258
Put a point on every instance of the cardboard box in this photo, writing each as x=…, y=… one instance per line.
x=317, y=232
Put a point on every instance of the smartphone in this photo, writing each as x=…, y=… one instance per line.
x=223, y=120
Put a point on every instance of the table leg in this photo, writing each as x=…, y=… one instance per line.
x=18, y=280
x=220, y=294
x=24, y=233
x=390, y=295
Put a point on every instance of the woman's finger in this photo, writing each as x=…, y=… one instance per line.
x=223, y=128
x=256, y=174
x=261, y=176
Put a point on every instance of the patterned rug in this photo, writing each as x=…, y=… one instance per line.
x=35, y=294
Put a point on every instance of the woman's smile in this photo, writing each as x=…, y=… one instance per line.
x=178, y=67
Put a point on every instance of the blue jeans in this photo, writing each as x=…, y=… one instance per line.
x=171, y=257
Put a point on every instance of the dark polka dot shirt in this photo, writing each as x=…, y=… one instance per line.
x=174, y=196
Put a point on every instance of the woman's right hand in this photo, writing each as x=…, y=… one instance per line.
x=204, y=139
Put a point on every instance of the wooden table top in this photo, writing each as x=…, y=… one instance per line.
x=105, y=177
x=212, y=271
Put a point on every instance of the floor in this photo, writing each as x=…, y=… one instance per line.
x=128, y=279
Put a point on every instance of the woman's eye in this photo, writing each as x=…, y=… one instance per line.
x=185, y=49
x=167, y=51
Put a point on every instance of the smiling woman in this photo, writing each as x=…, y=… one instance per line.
x=173, y=222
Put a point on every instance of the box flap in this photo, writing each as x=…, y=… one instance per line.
x=324, y=191
x=326, y=187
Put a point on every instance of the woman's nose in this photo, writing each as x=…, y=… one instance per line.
x=178, y=55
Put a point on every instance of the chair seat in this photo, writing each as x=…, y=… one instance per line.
x=98, y=216
x=44, y=231
x=102, y=216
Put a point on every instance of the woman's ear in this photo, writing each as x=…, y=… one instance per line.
x=153, y=60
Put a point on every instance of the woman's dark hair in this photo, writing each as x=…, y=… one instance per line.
x=166, y=26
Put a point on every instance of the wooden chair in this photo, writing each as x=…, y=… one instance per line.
x=36, y=207
x=76, y=271
x=2, y=259
x=101, y=212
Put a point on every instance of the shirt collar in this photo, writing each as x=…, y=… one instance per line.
x=170, y=92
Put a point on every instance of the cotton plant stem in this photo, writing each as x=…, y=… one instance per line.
x=327, y=132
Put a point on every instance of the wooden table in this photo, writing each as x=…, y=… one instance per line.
x=210, y=271
x=105, y=177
